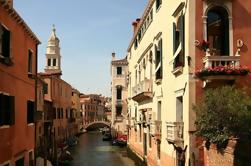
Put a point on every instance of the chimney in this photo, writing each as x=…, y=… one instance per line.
x=8, y=2
x=135, y=24
x=113, y=56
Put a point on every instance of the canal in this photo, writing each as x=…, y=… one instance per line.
x=93, y=151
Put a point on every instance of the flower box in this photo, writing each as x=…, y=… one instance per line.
x=222, y=71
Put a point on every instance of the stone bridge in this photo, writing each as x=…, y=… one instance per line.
x=97, y=124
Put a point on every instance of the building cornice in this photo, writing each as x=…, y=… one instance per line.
x=14, y=15
x=143, y=18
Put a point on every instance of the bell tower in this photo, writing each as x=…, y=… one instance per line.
x=53, y=57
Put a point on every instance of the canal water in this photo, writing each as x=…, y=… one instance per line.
x=93, y=151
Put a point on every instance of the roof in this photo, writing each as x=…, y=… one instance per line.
x=142, y=20
x=50, y=74
x=120, y=62
x=13, y=13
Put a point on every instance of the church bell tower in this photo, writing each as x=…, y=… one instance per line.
x=53, y=57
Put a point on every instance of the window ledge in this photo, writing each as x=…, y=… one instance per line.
x=30, y=124
x=158, y=81
x=6, y=60
x=157, y=10
x=178, y=70
x=5, y=127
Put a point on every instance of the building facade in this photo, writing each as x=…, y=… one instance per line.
x=171, y=42
x=59, y=115
x=119, y=71
x=18, y=70
x=93, y=108
x=77, y=111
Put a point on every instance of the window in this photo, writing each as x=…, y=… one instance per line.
x=119, y=93
x=158, y=149
x=45, y=88
x=159, y=111
x=54, y=62
x=158, y=3
x=4, y=42
x=66, y=112
x=62, y=113
x=58, y=113
x=118, y=110
x=20, y=162
x=30, y=111
x=29, y=61
x=218, y=30
x=7, y=110
x=49, y=62
x=54, y=113
x=31, y=161
x=179, y=109
x=158, y=59
x=178, y=42
x=135, y=44
x=119, y=70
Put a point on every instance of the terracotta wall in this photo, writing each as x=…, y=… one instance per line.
x=18, y=139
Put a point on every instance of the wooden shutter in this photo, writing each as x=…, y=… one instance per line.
x=161, y=56
x=174, y=38
x=1, y=109
x=6, y=42
x=12, y=110
x=182, y=38
x=6, y=110
x=182, y=32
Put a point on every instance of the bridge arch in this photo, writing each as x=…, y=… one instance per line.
x=97, y=124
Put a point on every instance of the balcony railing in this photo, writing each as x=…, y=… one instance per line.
x=214, y=61
x=119, y=118
x=175, y=131
x=142, y=91
x=119, y=102
x=156, y=128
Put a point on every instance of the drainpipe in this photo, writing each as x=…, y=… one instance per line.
x=35, y=155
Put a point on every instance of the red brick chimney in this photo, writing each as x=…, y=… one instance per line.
x=135, y=24
x=113, y=56
x=9, y=2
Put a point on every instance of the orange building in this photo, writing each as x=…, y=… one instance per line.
x=18, y=68
x=91, y=106
x=57, y=96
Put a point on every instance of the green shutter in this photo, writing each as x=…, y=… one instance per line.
x=182, y=38
x=182, y=33
x=12, y=110
x=161, y=57
x=174, y=38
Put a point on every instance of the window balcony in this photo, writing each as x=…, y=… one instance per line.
x=156, y=128
x=119, y=102
x=175, y=132
x=119, y=118
x=221, y=68
x=142, y=91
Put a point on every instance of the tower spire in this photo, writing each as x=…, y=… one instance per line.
x=53, y=57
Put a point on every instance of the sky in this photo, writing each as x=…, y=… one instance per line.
x=89, y=31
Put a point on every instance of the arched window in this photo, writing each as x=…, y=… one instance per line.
x=218, y=30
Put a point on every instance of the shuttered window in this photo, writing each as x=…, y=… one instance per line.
x=29, y=61
x=30, y=111
x=7, y=110
x=158, y=59
x=5, y=42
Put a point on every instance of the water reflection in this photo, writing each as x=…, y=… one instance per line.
x=92, y=151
